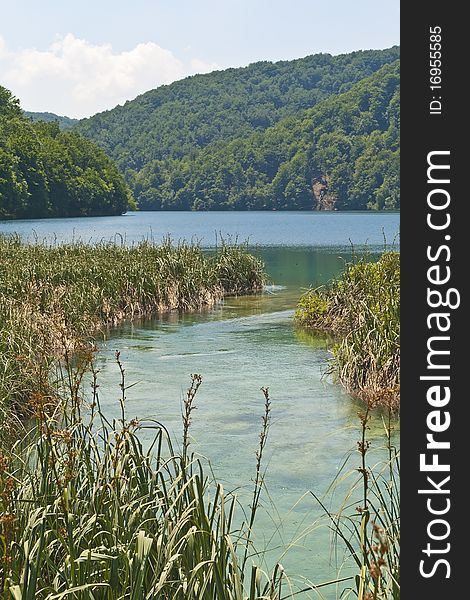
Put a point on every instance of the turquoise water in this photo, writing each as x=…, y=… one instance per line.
x=237, y=347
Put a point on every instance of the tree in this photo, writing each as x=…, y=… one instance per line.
x=46, y=172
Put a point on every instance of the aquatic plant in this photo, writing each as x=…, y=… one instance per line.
x=88, y=511
x=361, y=310
x=368, y=522
x=54, y=296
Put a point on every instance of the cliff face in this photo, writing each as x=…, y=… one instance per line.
x=322, y=199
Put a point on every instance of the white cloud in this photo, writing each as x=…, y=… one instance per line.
x=200, y=66
x=3, y=48
x=76, y=78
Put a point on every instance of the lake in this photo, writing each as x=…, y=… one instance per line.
x=264, y=228
x=239, y=346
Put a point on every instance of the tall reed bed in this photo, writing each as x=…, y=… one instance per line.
x=53, y=296
x=88, y=512
x=361, y=310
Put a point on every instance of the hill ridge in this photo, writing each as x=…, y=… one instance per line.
x=187, y=115
x=342, y=153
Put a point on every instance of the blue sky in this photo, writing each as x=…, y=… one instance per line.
x=78, y=58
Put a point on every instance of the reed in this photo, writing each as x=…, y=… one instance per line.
x=368, y=522
x=55, y=296
x=361, y=310
x=88, y=512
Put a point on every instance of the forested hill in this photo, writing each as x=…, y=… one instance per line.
x=341, y=154
x=178, y=120
x=46, y=172
x=48, y=117
x=319, y=132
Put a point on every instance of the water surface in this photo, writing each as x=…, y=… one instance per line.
x=264, y=228
x=238, y=347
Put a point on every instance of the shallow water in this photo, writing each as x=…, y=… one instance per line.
x=239, y=346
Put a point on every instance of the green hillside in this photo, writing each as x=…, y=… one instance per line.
x=343, y=154
x=48, y=117
x=178, y=120
x=321, y=132
x=46, y=172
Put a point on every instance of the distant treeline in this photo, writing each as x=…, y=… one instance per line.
x=321, y=132
x=63, y=122
x=47, y=172
x=343, y=154
x=283, y=135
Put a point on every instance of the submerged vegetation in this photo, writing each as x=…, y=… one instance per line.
x=361, y=310
x=93, y=508
x=55, y=296
x=88, y=512
x=98, y=509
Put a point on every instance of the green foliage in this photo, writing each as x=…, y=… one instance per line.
x=53, y=297
x=45, y=172
x=97, y=508
x=362, y=310
x=87, y=511
x=249, y=139
x=312, y=308
x=9, y=105
x=48, y=117
x=350, y=141
x=371, y=530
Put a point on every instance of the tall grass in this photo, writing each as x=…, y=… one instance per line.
x=53, y=296
x=370, y=527
x=87, y=512
x=361, y=310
